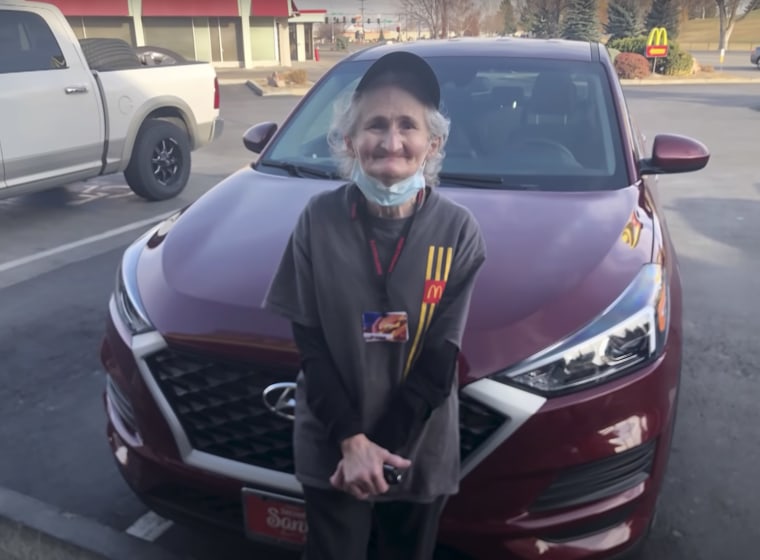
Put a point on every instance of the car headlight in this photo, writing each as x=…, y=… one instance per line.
x=629, y=333
x=126, y=294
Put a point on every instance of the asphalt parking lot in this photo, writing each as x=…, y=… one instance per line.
x=59, y=256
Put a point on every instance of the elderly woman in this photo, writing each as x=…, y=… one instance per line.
x=376, y=280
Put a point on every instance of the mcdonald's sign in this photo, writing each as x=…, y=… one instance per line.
x=657, y=43
x=433, y=291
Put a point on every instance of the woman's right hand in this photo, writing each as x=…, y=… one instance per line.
x=360, y=472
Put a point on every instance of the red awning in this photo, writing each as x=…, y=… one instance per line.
x=270, y=8
x=90, y=8
x=190, y=8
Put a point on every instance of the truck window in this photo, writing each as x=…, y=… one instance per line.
x=27, y=44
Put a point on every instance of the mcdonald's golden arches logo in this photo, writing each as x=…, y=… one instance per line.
x=657, y=43
x=434, y=291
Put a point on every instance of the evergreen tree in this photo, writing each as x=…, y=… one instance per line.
x=543, y=18
x=665, y=13
x=623, y=19
x=507, y=10
x=581, y=20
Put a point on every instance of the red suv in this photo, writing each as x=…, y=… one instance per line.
x=572, y=354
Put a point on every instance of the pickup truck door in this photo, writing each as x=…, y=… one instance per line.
x=50, y=110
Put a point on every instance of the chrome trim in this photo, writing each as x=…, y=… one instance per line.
x=515, y=403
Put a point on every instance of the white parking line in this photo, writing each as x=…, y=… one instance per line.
x=149, y=527
x=4, y=267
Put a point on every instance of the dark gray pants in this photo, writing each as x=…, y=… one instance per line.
x=344, y=528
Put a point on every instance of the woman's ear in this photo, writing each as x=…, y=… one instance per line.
x=435, y=145
x=349, y=145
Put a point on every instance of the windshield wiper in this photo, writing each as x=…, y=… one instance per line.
x=300, y=170
x=483, y=181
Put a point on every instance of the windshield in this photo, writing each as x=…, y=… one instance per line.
x=515, y=123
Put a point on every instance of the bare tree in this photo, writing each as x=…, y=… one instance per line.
x=728, y=14
x=463, y=17
x=698, y=9
x=428, y=13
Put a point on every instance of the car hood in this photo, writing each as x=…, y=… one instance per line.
x=555, y=260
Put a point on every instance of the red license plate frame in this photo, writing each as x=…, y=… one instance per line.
x=274, y=518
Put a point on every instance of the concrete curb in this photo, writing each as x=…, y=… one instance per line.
x=284, y=91
x=33, y=530
x=677, y=82
x=232, y=81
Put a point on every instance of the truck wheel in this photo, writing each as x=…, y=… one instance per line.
x=158, y=56
x=109, y=54
x=160, y=164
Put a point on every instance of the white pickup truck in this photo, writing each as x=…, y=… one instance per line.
x=71, y=110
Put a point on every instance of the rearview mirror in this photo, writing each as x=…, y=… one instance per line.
x=257, y=137
x=672, y=153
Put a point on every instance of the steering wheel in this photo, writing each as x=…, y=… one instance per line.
x=546, y=149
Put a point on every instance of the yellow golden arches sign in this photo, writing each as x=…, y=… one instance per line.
x=657, y=43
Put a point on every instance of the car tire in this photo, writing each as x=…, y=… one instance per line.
x=159, y=56
x=109, y=54
x=159, y=167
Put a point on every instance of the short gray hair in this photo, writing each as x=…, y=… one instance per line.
x=346, y=118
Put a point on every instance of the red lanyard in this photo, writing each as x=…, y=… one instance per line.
x=381, y=274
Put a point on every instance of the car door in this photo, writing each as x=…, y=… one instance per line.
x=52, y=123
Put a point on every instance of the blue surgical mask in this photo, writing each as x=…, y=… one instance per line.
x=396, y=194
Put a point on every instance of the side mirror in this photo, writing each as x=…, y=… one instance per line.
x=672, y=153
x=257, y=137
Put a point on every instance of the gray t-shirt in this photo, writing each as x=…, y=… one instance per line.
x=326, y=279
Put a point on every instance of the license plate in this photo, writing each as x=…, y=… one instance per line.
x=274, y=518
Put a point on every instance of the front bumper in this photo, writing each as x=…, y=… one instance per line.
x=522, y=495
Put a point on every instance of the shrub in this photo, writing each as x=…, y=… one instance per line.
x=630, y=65
x=707, y=68
x=677, y=63
x=629, y=44
x=297, y=76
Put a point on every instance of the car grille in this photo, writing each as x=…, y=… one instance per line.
x=599, y=479
x=221, y=409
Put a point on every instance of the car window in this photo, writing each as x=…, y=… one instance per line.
x=27, y=44
x=537, y=123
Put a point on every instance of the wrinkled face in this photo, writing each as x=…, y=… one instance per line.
x=392, y=139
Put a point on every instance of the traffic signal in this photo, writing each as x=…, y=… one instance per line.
x=378, y=21
x=327, y=19
x=398, y=29
x=353, y=20
x=344, y=19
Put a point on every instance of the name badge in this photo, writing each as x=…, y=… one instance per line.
x=390, y=326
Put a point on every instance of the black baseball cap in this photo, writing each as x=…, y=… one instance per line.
x=408, y=71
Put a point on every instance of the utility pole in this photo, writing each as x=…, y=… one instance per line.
x=362, y=1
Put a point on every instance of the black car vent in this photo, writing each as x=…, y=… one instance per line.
x=598, y=480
